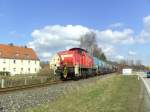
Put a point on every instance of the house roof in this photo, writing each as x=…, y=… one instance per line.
x=17, y=52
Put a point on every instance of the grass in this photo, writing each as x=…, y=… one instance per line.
x=113, y=94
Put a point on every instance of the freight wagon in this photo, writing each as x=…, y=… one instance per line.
x=103, y=67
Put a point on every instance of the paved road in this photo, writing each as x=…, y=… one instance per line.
x=147, y=80
x=146, y=92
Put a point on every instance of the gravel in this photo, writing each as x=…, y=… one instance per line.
x=18, y=101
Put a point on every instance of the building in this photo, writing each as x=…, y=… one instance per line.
x=18, y=60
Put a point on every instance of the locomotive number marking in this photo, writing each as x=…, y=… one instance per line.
x=66, y=56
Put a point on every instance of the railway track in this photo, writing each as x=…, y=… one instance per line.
x=24, y=87
x=18, y=88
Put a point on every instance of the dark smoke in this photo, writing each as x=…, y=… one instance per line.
x=89, y=42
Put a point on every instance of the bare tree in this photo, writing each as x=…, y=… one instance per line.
x=138, y=62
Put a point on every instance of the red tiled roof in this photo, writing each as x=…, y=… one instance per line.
x=16, y=52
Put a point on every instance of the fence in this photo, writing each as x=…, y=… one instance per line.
x=22, y=80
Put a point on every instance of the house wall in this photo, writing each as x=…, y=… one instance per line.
x=54, y=61
x=16, y=66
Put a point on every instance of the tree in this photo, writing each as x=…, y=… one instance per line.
x=102, y=57
x=138, y=62
x=99, y=54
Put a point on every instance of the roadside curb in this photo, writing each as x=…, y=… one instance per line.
x=146, y=85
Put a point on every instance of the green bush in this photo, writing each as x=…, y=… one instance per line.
x=4, y=73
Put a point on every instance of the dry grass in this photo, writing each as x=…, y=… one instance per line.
x=114, y=94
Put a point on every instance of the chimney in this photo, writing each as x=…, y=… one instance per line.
x=11, y=44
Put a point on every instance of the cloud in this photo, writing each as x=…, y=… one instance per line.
x=132, y=53
x=14, y=34
x=119, y=57
x=116, y=25
x=108, y=49
x=120, y=37
x=144, y=36
x=46, y=55
x=51, y=39
x=146, y=21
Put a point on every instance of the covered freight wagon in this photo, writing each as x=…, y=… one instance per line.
x=98, y=65
x=101, y=66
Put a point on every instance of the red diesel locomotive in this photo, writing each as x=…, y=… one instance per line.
x=73, y=63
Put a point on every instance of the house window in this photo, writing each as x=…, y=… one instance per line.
x=35, y=62
x=35, y=69
x=29, y=69
x=21, y=69
x=29, y=61
x=4, y=61
x=14, y=61
x=21, y=61
x=26, y=56
x=14, y=69
x=4, y=69
x=17, y=55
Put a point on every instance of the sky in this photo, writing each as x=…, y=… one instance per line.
x=122, y=27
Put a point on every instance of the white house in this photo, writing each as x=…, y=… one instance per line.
x=127, y=71
x=18, y=60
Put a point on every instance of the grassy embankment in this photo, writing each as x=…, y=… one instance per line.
x=113, y=94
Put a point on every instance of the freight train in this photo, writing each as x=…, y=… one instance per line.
x=76, y=63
